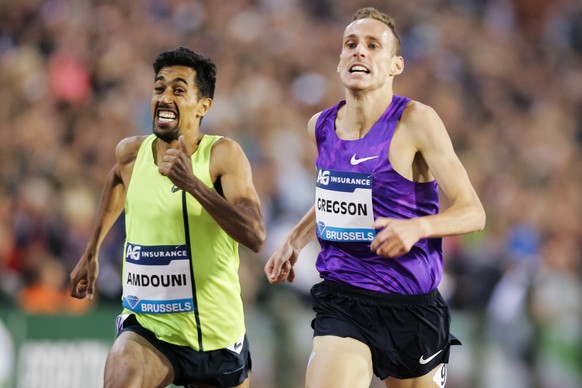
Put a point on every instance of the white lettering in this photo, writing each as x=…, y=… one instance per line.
x=323, y=177
x=133, y=252
x=164, y=254
x=158, y=308
x=348, y=236
x=351, y=181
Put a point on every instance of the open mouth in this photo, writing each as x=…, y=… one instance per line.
x=359, y=69
x=166, y=116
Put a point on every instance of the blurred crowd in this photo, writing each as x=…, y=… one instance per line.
x=504, y=75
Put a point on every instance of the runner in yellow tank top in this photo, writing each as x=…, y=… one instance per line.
x=189, y=201
x=170, y=299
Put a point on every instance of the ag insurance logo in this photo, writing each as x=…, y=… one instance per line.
x=323, y=177
x=133, y=252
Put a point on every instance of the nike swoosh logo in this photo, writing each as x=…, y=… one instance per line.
x=423, y=361
x=355, y=161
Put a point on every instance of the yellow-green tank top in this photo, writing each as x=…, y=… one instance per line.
x=180, y=270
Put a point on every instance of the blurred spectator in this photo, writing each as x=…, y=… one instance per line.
x=556, y=310
x=44, y=291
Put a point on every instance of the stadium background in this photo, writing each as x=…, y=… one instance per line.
x=505, y=76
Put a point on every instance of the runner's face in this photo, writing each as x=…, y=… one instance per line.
x=176, y=105
x=367, y=58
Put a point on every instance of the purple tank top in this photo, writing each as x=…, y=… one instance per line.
x=356, y=184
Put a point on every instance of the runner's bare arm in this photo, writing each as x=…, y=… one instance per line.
x=428, y=136
x=111, y=204
x=279, y=267
x=239, y=212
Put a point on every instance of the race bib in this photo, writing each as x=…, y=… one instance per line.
x=157, y=280
x=343, y=206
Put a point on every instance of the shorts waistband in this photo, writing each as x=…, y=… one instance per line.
x=399, y=299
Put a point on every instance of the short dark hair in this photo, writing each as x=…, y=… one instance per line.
x=373, y=13
x=183, y=56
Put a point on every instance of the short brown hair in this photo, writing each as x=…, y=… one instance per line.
x=373, y=13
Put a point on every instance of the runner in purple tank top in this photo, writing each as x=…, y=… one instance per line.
x=378, y=222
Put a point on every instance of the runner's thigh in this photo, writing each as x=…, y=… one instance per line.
x=339, y=363
x=134, y=362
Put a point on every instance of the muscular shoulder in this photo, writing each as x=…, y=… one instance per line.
x=311, y=125
x=313, y=120
x=421, y=122
x=126, y=150
x=226, y=153
x=225, y=146
x=418, y=114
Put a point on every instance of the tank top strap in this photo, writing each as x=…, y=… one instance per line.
x=393, y=114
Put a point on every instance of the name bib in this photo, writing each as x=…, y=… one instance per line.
x=343, y=206
x=157, y=279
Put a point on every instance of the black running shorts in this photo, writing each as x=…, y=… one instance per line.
x=218, y=368
x=408, y=335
